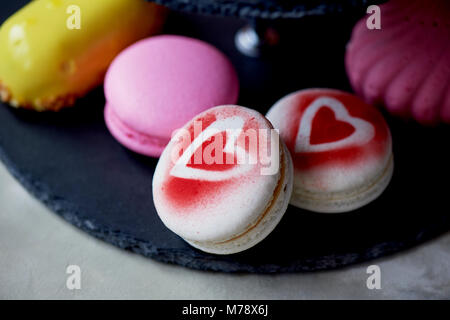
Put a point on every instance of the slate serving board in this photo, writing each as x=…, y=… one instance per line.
x=70, y=162
x=269, y=9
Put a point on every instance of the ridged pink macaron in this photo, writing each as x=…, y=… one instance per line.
x=224, y=181
x=158, y=84
x=341, y=148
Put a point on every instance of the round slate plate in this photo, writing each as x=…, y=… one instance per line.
x=269, y=9
x=70, y=162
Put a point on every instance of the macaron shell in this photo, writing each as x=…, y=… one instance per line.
x=267, y=224
x=213, y=211
x=347, y=200
x=341, y=148
x=336, y=169
x=158, y=84
x=134, y=140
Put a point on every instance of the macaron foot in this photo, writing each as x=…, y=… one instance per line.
x=344, y=201
x=265, y=224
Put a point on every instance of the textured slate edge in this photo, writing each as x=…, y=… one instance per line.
x=249, y=9
x=122, y=240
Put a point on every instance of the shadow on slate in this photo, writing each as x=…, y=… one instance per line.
x=70, y=162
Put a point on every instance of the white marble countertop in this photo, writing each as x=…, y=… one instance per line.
x=36, y=246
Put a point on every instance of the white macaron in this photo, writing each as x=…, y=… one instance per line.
x=224, y=181
x=341, y=149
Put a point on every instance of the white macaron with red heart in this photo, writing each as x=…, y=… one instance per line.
x=341, y=149
x=224, y=180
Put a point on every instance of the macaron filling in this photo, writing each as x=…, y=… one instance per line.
x=265, y=222
x=341, y=201
x=115, y=123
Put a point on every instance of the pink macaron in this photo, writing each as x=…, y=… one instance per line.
x=341, y=148
x=224, y=181
x=158, y=84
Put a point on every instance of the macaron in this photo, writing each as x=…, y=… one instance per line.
x=158, y=84
x=224, y=180
x=341, y=149
x=53, y=52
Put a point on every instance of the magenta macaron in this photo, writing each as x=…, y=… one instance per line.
x=158, y=84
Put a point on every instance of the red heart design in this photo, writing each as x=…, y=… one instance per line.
x=326, y=128
x=213, y=166
x=333, y=126
x=186, y=167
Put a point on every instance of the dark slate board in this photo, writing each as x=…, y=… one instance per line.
x=269, y=9
x=69, y=161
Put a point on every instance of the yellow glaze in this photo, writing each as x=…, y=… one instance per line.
x=45, y=65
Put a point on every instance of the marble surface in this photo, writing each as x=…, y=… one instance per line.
x=36, y=246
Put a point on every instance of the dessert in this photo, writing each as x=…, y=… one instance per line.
x=49, y=57
x=405, y=66
x=158, y=84
x=341, y=149
x=232, y=203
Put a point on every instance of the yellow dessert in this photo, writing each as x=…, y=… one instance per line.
x=54, y=51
